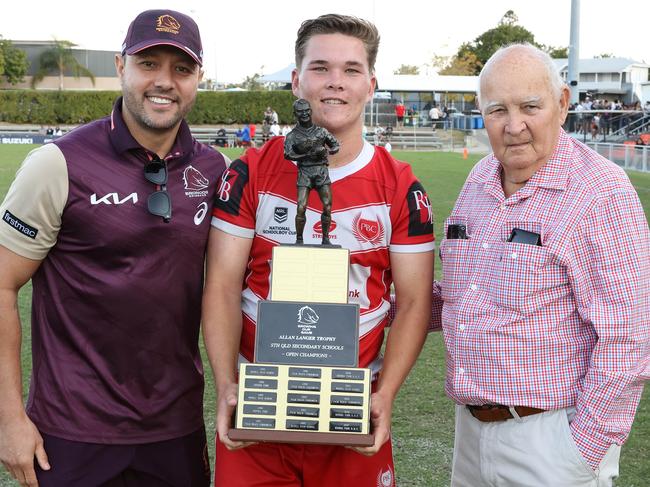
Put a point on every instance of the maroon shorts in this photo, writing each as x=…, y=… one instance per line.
x=179, y=462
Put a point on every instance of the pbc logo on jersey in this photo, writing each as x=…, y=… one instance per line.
x=281, y=214
x=232, y=186
x=368, y=231
x=420, y=212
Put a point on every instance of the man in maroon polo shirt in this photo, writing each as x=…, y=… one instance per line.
x=111, y=222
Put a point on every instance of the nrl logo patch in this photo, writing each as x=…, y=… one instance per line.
x=281, y=214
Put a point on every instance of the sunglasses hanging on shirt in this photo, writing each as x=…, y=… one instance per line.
x=159, y=202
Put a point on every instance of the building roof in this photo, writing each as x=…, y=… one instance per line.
x=282, y=76
x=421, y=82
x=601, y=65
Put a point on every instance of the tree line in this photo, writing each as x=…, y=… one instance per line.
x=471, y=56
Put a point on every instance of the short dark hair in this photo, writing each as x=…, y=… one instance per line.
x=362, y=29
x=301, y=103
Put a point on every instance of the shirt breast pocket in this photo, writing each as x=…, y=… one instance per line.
x=456, y=263
x=522, y=276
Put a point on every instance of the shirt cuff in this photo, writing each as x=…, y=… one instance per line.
x=592, y=448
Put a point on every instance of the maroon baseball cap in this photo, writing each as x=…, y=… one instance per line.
x=164, y=27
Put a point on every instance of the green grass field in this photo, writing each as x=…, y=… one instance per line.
x=423, y=416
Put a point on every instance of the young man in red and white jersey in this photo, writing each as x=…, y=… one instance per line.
x=380, y=213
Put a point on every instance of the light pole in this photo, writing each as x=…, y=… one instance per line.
x=574, y=51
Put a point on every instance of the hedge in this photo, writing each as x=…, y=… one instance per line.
x=74, y=107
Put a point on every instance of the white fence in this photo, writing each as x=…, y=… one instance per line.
x=635, y=157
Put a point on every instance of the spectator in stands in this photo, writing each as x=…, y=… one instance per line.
x=252, y=128
x=595, y=126
x=49, y=131
x=268, y=116
x=220, y=140
x=57, y=131
x=275, y=129
x=388, y=133
x=400, y=111
x=378, y=135
x=446, y=117
x=246, y=136
x=266, y=129
x=434, y=116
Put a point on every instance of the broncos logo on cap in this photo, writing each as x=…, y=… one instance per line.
x=167, y=23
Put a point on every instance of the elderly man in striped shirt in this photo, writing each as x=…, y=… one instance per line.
x=545, y=293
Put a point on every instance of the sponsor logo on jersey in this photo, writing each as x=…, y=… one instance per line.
x=318, y=230
x=368, y=231
x=385, y=478
x=232, y=186
x=281, y=214
x=199, y=216
x=420, y=212
x=112, y=199
x=17, y=224
x=195, y=183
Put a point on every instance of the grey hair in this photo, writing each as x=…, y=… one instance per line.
x=552, y=72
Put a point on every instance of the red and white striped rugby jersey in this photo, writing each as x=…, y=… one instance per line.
x=378, y=207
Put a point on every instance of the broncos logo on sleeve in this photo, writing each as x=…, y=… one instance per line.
x=233, y=182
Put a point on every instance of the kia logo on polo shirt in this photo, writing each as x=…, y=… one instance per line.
x=113, y=199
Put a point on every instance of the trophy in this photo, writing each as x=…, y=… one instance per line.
x=305, y=385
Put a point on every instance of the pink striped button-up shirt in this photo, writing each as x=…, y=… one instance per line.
x=563, y=324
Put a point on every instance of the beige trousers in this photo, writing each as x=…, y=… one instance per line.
x=535, y=451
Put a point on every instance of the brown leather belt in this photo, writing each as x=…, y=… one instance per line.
x=489, y=413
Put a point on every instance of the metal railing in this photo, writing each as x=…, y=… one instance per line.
x=628, y=156
x=601, y=125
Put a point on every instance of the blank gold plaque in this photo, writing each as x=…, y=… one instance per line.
x=310, y=273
